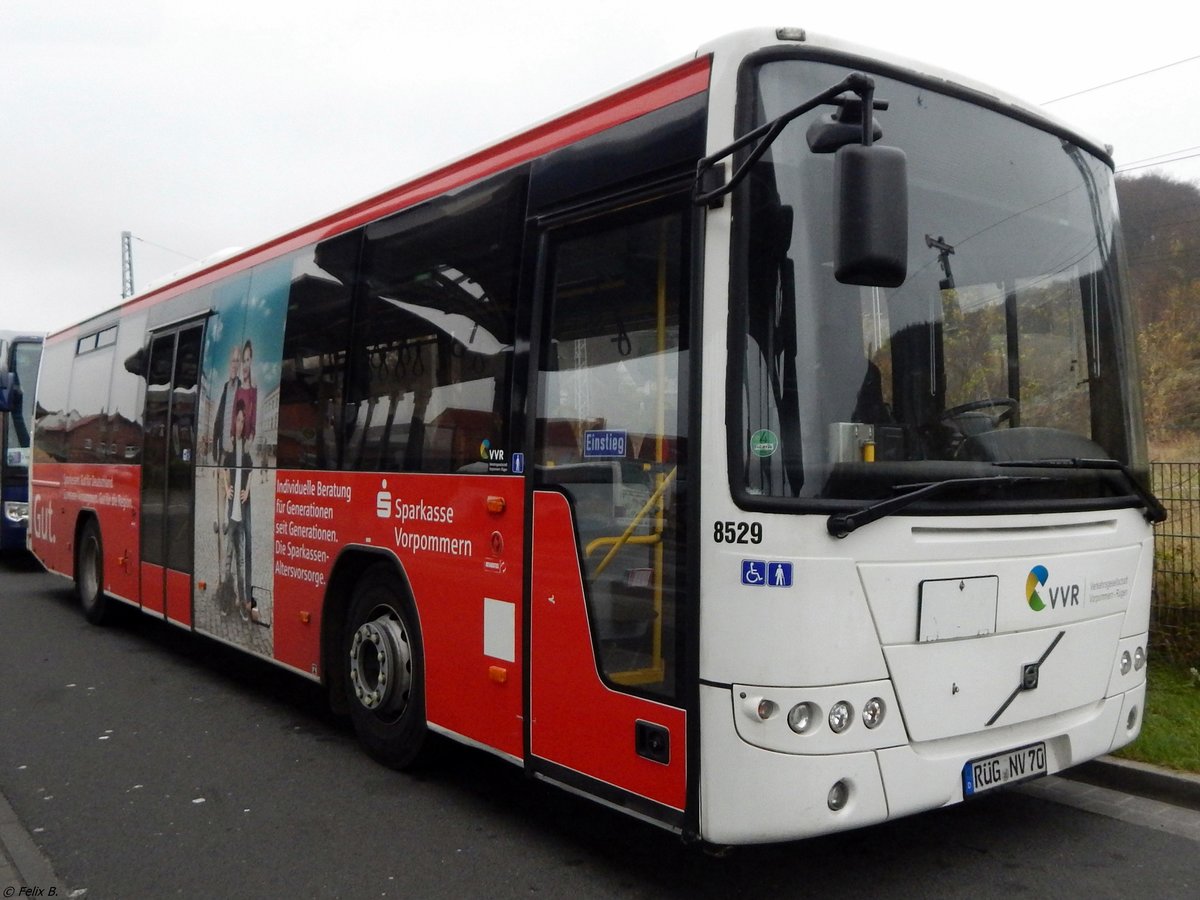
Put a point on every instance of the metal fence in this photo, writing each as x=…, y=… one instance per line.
x=1175, y=611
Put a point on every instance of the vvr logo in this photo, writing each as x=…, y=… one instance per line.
x=487, y=454
x=1059, y=595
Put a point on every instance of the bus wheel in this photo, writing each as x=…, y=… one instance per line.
x=89, y=575
x=385, y=675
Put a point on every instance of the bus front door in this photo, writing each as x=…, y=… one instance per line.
x=609, y=574
x=172, y=392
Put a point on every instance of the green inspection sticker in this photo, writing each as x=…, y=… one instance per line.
x=764, y=443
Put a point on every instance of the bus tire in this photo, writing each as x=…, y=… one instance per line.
x=385, y=669
x=89, y=575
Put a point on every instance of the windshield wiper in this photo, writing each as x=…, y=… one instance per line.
x=1155, y=511
x=841, y=524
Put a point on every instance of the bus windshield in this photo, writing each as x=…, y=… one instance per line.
x=1008, y=342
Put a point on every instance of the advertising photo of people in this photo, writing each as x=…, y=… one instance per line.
x=234, y=476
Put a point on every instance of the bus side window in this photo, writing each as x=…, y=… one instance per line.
x=125, y=392
x=87, y=432
x=316, y=339
x=433, y=340
x=51, y=418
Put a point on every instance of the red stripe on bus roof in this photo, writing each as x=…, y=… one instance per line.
x=654, y=93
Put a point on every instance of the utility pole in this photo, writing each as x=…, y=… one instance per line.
x=126, y=265
x=945, y=251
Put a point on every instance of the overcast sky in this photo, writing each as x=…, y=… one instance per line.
x=204, y=125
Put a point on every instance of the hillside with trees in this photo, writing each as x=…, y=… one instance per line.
x=1160, y=217
x=1161, y=220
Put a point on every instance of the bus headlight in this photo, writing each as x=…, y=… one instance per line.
x=1126, y=663
x=1139, y=658
x=16, y=512
x=840, y=716
x=801, y=717
x=872, y=713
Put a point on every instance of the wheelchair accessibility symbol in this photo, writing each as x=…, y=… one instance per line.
x=754, y=572
x=759, y=572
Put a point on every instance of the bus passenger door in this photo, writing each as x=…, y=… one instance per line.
x=172, y=393
x=609, y=574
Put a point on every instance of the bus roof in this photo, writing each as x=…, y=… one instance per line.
x=742, y=43
x=676, y=81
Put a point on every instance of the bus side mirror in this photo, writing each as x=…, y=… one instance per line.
x=135, y=364
x=871, y=186
x=10, y=392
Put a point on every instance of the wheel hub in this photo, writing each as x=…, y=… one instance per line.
x=380, y=667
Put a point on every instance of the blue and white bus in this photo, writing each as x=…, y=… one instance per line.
x=20, y=355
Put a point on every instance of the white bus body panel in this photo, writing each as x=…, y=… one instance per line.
x=751, y=795
x=849, y=628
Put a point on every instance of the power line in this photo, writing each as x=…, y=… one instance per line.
x=127, y=239
x=1119, y=80
x=168, y=249
x=1150, y=165
x=1151, y=159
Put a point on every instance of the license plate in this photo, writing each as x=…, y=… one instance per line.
x=1009, y=767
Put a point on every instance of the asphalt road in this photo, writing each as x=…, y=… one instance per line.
x=146, y=762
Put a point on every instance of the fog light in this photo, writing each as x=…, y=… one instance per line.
x=839, y=794
x=801, y=716
x=767, y=708
x=1139, y=658
x=1126, y=663
x=1131, y=721
x=840, y=715
x=872, y=713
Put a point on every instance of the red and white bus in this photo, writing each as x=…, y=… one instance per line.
x=756, y=449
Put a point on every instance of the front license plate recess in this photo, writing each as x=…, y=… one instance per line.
x=1009, y=767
